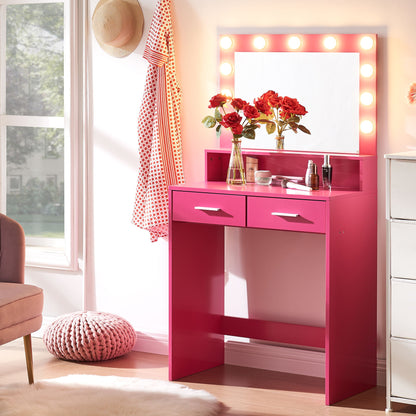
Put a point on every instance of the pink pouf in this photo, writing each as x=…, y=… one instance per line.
x=89, y=336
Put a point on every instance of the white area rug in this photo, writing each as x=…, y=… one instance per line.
x=88, y=395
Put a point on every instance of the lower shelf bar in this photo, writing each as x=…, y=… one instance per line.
x=311, y=336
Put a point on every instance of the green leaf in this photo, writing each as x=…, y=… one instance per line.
x=270, y=128
x=209, y=122
x=217, y=115
x=249, y=134
x=304, y=129
x=294, y=127
x=218, y=130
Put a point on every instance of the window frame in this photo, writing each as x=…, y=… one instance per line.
x=38, y=254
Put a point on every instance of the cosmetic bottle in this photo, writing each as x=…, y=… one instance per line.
x=312, y=177
x=326, y=173
x=252, y=165
x=308, y=173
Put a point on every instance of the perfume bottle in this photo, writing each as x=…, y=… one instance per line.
x=312, y=177
x=308, y=173
x=326, y=173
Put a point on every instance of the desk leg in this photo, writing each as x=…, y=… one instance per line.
x=196, y=298
x=351, y=298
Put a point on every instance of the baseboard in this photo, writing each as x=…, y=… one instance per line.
x=284, y=359
x=275, y=358
x=152, y=343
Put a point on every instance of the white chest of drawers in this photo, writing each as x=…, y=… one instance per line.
x=401, y=278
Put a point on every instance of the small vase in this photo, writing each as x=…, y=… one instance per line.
x=236, y=174
x=280, y=142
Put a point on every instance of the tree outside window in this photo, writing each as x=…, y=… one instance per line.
x=35, y=99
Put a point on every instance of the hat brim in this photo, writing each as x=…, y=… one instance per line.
x=131, y=45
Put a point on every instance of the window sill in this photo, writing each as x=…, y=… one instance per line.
x=49, y=258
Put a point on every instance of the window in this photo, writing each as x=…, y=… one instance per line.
x=14, y=183
x=38, y=125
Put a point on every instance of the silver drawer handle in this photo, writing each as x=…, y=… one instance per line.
x=207, y=208
x=285, y=214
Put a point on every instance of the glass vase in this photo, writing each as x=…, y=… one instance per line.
x=280, y=142
x=236, y=173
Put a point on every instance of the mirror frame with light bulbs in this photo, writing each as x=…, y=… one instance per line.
x=363, y=44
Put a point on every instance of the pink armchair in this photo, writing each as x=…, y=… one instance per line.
x=21, y=305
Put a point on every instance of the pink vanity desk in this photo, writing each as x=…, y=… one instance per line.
x=346, y=215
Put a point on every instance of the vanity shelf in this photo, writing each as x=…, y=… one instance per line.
x=350, y=172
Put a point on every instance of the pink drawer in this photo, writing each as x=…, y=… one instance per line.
x=286, y=214
x=209, y=208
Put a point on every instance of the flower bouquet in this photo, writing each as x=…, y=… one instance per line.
x=241, y=118
x=280, y=114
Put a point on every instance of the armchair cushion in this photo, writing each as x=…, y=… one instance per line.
x=20, y=310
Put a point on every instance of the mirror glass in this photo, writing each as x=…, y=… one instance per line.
x=329, y=82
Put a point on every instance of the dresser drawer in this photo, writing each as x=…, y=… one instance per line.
x=403, y=308
x=403, y=249
x=403, y=368
x=403, y=189
x=286, y=214
x=209, y=208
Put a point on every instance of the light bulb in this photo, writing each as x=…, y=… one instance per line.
x=259, y=42
x=226, y=68
x=227, y=93
x=366, y=42
x=367, y=70
x=367, y=98
x=330, y=42
x=294, y=42
x=366, y=126
x=226, y=42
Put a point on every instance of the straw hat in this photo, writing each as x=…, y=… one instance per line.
x=118, y=26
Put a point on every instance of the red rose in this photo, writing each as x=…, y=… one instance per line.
x=288, y=102
x=300, y=110
x=217, y=100
x=263, y=106
x=238, y=103
x=267, y=94
x=275, y=100
x=272, y=98
x=237, y=129
x=250, y=111
x=292, y=106
x=231, y=120
x=285, y=114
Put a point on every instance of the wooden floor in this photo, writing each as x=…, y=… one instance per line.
x=243, y=391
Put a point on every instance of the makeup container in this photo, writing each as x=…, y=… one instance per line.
x=252, y=164
x=326, y=173
x=311, y=176
x=263, y=177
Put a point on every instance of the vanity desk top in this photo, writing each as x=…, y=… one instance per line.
x=252, y=189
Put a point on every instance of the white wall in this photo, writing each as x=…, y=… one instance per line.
x=131, y=274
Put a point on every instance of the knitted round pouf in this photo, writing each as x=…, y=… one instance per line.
x=89, y=336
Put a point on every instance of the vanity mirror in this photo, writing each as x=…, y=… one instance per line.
x=333, y=76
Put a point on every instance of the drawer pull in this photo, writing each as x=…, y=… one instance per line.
x=207, y=209
x=285, y=214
